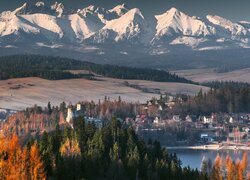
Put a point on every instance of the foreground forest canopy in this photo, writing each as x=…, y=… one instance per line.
x=54, y=68
x=113, y=152
x=85, y=152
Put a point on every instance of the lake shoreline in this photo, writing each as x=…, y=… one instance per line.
x=214, y=147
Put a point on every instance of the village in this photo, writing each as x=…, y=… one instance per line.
x=154, y=120
x=198, y=131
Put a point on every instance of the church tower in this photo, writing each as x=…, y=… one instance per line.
x=70, y=114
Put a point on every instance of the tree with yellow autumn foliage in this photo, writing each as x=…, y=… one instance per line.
x=70, y=148
x=3, y=157
x=17, y=164
x=216, y=173
x=238, y=170
x=14, y=159
x=241, y=167
x=36, y=165
x=244, y=163
x=230, y=168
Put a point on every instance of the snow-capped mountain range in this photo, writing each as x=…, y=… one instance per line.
x=54, y=25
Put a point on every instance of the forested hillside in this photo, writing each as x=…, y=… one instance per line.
x=54, y=68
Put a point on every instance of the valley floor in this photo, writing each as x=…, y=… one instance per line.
x=20, y=93
x=208, y=75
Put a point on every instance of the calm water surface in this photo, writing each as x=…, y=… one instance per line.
x=193, y=158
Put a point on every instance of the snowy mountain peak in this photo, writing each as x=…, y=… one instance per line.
x=246, y=24
x=131, y=18
x=55, y=23
x=22, y=9
x=90, y=8
x=130, y=27
x=57, y=5
x=119, y=10
x=173, y=14
x=217, y=20
x=58, y=8
x=175, y=22
x=94, y=9
x=134, y=12
x=226, y=26
x=40, y=4
x=173, y=11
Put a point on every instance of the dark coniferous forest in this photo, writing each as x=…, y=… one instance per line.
x=55, y=68
x=224, y=97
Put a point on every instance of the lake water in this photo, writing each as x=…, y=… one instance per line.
x=193, y=158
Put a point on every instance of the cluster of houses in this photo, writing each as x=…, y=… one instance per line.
x=214, y=121
x=211, y=127
x=208, y=125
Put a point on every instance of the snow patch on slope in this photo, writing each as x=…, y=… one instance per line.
x=119, y=10
x=54, y=46
x=15, y=25
x=189, y=41
x=233, y=28
x=131, y=26
x=44, y=21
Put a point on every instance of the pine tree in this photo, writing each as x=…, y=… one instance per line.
x=116, y=152
x=46, y=150
x=49, y=108
x=80, y=132
x=119, y=99
x=133, y=162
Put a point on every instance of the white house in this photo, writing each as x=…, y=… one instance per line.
x=79, y=107
x=156, y=120
x=177, y=118
x=231, y=120
x=207, y=120
x=188, y=119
